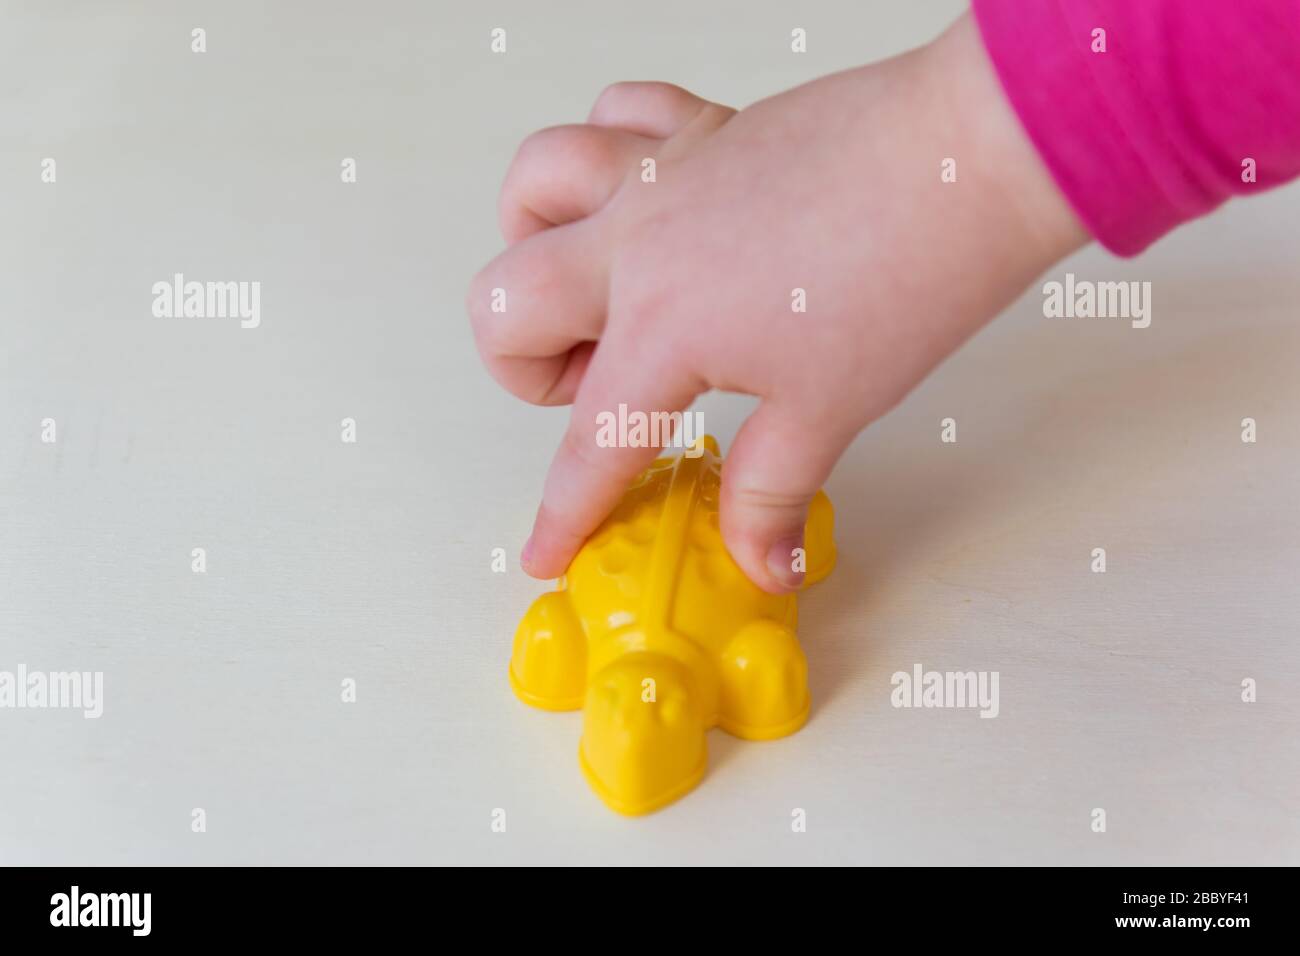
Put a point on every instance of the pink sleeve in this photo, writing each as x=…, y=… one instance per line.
x=1157, y=129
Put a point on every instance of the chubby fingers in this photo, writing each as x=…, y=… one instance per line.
x=533, y=306
x=657, y=110
x=537, y=308
x=565, y=173
x=586, y=480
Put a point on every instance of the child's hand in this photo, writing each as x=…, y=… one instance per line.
x=624, y=291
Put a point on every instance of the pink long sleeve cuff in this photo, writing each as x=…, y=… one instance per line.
x=1190, y=100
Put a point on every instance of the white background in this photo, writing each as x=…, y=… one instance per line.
x=372, y=561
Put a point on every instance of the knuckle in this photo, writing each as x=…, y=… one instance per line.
x=612, y=94
x=532, y=147
x=568, y=145
x=760, y=498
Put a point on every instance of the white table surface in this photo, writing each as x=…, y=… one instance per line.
x=371, y=560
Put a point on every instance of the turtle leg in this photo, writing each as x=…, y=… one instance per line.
x=643, y=734
x=764, y=679
x=548, y=667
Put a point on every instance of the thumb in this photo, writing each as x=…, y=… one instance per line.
x=775, y=467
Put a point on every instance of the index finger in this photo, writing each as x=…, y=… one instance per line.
x=587, y=477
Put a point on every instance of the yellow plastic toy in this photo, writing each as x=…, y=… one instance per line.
x=658, y=635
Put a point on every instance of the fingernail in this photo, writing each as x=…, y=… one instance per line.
x=526, y=555
x=783, y=558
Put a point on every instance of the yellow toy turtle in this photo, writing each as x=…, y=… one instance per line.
x=657, y=635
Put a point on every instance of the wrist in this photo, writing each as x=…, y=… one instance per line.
x=1007, y=164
